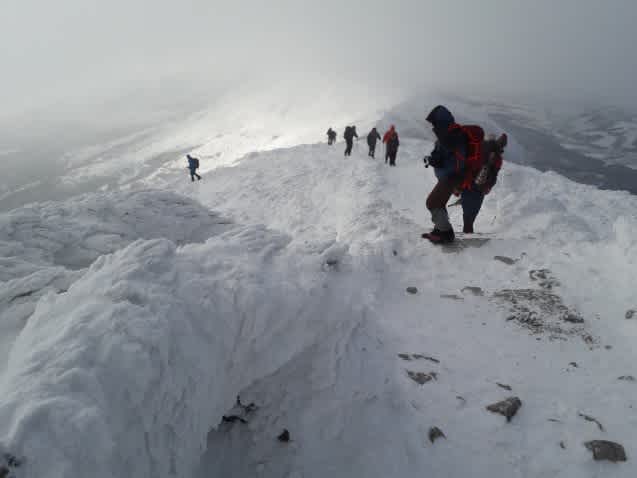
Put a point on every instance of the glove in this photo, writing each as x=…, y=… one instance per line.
x=436, y=159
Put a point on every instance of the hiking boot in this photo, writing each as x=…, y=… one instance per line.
x=440, y=237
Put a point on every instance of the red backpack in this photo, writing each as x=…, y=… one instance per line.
x=474, y=158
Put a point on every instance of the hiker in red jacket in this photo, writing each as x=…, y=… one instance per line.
x=391, y=145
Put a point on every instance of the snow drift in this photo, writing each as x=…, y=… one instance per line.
x=124, y=374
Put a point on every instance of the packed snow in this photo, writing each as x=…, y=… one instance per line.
x=296, y=279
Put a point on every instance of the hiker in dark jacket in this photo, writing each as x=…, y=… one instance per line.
x=331, y=136
x=193, y=165
x=390, y=138
x=448, y=160
x=349, y=135
x=372, y=137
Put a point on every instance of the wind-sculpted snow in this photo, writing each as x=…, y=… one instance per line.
x=74, y=233
x=124, y=374
x=44, y=247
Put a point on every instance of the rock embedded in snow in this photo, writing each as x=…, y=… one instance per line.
x=506, y=260
x=508, y=407
x=626, y=378
x=588, y=418
x=606, y=450
x=425, y=357
x=435, y=433
x=504, y=386
x=422, y=378
x=473, y=290
x=630, y=313
x=544, y=278
x=412, y=290
x=573, y=318
x=284, y=436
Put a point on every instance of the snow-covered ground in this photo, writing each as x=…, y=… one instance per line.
x=131, y=320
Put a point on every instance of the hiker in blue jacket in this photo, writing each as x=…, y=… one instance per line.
x=193, y=164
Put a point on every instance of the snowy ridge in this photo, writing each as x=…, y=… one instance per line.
x=142, y=328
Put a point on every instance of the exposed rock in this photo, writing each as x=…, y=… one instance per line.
x=332, y=262
x=573, y=364
x=588, y=418
x=9, y=462
x=554, y=420
x=573, y=318
x=562, y=445
x=541, y=311
x=249, y=408
x=474, y=290
x=508, y=407
x=425, y=357
x=435, y=433
x=284, y=436
x=406, y=357
x=627, y=378
x=239, y=413
x=233, y=419
x=412, y=290
x=630, y=313
x=507, y=260
x=504, y=386
x=422, y=378
x=544, y=278
x=606, y=450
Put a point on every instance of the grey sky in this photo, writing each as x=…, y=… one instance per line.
x=74, y=53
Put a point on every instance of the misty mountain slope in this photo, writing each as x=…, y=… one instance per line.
x=221, y=131
x=298, y=302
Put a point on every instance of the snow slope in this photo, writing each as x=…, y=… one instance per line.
x=143, y=314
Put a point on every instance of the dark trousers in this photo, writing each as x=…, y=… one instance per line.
x=471, y=200
x=330, y=140
x=348, y=149
x=391, y=156
x=372, y=150
x=193, y=173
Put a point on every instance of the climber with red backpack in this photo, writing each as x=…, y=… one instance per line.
x=465, y=164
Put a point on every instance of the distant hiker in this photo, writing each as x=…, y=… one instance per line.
x=471, y=198
x=331, y=136
x=458, y=159
x=372, y=137
x=193, y=165
x=390, y=138
x=349, y=135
